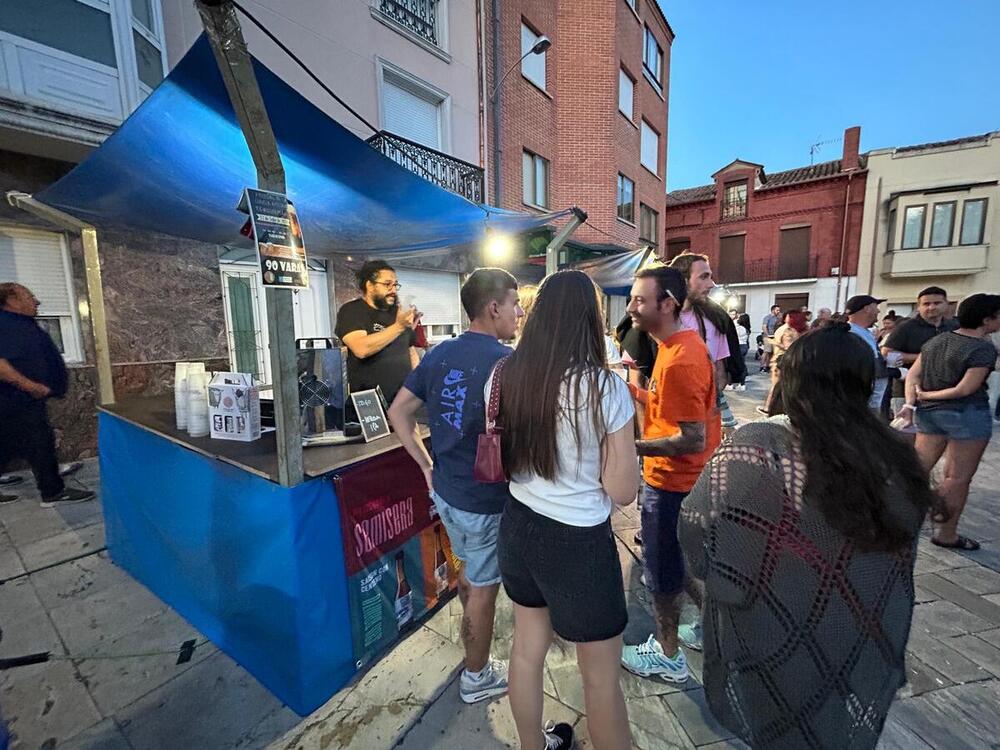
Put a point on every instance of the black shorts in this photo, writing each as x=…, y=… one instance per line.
x=572, y=570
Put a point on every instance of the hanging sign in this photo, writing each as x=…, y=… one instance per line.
x=276, y=231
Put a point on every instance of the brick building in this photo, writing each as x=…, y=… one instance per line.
x=790, y=238
x=585, y=122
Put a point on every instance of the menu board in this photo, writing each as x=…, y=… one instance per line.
x=398, y=557
x=371, y=415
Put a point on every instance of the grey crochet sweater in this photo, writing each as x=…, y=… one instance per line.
x=804, y=635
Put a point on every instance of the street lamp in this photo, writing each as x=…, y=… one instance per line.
x=538, y=48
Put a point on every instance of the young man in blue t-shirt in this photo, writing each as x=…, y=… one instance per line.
x=450, y=381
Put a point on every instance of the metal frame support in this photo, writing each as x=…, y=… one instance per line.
x=95, y=287
x=223, y=30
x=552, y=250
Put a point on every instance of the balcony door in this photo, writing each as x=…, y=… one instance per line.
x=731, y=268
x=793, y=253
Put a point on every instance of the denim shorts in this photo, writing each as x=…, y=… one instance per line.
x=574, y=571
x=473, y=538
x=969, y=422
x=661, y=550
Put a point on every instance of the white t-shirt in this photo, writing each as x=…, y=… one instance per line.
x=743, y=334
x=575, y=497
x=611, y=350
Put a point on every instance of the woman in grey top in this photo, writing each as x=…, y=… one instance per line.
x=946, y=388
x=804, y=529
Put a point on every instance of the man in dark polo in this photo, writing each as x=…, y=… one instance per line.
x=905, y=342
x=31, y=371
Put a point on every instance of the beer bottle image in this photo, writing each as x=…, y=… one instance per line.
x=404, y=595
x=440, y=563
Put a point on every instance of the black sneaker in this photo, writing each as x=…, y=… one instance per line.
x=7, y=499
x=8, y=480
x=558, y=736
x=67, y=497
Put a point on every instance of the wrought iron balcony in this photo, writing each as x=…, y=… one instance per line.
x=446, y=171
x=418, y=16
x=768, y=269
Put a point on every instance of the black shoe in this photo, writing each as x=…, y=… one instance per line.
x=558, y=737
x=638, y=537
x=7, y=480
x=67, y=497
x=7, y=499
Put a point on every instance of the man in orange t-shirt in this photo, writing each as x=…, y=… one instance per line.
x=682, y=429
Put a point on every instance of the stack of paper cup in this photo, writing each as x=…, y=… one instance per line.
x=180, y=394
x=198, y=421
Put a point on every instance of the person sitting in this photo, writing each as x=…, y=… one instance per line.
x=808, y=578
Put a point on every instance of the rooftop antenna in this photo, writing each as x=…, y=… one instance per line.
x=817, y=146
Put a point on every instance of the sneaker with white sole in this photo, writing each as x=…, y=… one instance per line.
x=558, y=736
x=9, y=480
x=690, y=636
x=67, y=497
x=492, y=682
x=648, y=660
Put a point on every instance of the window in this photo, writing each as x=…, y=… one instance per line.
x=649, y=149
x=626, y=199
x=66, y=25
x=535, y=179
x=436, y=293
x=649, y=225
x=532, y=66
x=942, y=224
x=973, y=222
x=793, y=254
x=632, y=4
x=731, y=259
x=410, y=110
x=913, y=227
x=676, y=246
x=625, y=89
x=734, y=200
x=415, y=16
x=890, y=241
x=652, y=58
x=40, y=262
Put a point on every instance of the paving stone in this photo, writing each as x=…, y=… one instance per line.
x=984, y=654
x=921, y=594
x=920, y=678
x=61, y=547
x=78, y=580
x=27, y=522
x=727, y=745
x=990, y=636
x=941, y=657
x=945, y=618
x=963, y=717
x=988, y=557
x=977, y=605
x=105, y=735
x=10, y=560
x=216, y=687
x=654, y=725
x=978, y=580
x=691, y=708
x=45, y=702
x=897, y=736
x=947, y=558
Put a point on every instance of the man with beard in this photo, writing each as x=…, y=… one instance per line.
x=378, y=334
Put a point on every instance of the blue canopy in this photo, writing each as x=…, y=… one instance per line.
x=179, y=164
x=614, y=274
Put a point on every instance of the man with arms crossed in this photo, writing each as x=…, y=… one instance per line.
x=450, y=381
x=681, y=430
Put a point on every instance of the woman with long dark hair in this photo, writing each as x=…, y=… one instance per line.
x=805, y=529
x=947, y=388
x=568, y=445
x=743, y=331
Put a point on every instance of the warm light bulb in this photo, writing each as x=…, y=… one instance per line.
x=498, y=248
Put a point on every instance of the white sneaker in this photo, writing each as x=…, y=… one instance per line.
x=690, y=636
x=492, y=682
x=647, y=659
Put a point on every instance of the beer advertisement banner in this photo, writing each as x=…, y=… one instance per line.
x=398, y=557
x=278, y=236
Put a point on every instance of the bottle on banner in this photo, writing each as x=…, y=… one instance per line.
x=404, y=594
x=440, y=563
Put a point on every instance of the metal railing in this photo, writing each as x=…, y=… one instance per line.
x=446, y=171
x=734, y=208
x=769, y=269
x=419, y=16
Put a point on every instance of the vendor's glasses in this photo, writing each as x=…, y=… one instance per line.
x=390, y=284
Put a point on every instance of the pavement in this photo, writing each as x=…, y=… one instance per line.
x=59, y=592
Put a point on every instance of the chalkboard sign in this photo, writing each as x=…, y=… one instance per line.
x=371, y=415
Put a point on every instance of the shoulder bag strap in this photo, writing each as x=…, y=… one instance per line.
x=493, y=406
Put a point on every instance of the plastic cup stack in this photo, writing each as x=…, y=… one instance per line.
x=180, y=394
x=198, y=421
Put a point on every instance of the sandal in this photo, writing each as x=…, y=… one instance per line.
x=962, y=542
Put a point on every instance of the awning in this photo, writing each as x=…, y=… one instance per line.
x=179, y=164
x=615, y=273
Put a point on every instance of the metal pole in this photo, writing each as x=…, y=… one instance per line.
x=230, y=48
x=552, y=251
x=95, y=287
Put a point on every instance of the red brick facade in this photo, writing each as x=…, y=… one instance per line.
x=814, y=197
x=575, y=123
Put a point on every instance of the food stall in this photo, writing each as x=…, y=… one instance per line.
x=303, y=564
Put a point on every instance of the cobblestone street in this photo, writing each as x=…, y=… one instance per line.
x=61, y=593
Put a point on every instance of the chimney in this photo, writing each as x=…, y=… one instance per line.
x=852, y=140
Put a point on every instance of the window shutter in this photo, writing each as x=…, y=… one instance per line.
x=625, y=90
x=732, y=259
x=35, y=260
x=435, y=293
x=650, y=148
x=793, y=253
x=409, y=113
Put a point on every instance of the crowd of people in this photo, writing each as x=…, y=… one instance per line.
x=804, y=582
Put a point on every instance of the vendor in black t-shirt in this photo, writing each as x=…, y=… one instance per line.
x=378, y=334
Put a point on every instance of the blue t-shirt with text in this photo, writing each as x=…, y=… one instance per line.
x=450, y=380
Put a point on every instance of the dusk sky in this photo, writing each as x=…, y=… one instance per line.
x=764, y=80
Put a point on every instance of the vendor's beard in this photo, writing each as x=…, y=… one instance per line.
x=382, y=303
